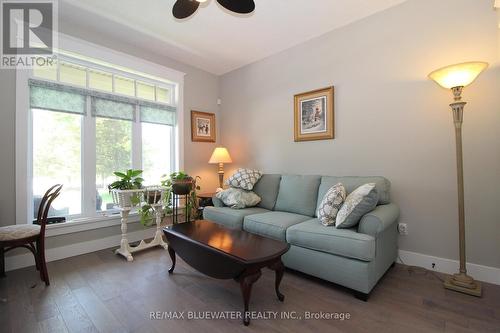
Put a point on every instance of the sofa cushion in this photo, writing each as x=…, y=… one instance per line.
x=238, y=198
x=361, y=201
x=267, y=189
x=231, y=218
x=348, y=243
x=331, y=204
x=382, y=185
x=298, y=194
x=244, y=178
x=272, y=224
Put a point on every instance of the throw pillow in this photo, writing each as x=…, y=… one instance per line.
x=244, y=178
x=330, y=205
x=238, y=198
x=361, y=201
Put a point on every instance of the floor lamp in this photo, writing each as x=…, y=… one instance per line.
x=456, y=77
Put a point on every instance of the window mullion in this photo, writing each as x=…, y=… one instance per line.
x=137, y=141
x=88, y=163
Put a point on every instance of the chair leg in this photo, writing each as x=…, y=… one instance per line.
x=44, y=275
x=2, y=262
x=37, y=259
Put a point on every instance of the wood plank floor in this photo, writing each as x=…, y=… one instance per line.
x=101, y=292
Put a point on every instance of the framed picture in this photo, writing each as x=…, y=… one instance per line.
x=314, y=115
x=202, y=126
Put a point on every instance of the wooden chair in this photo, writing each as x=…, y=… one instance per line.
x=30, y=236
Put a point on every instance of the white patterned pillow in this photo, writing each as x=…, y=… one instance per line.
x=244, y=178
x=361, y=201
x=330, y=205
x=237, y=198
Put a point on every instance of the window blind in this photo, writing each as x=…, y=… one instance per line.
x=157, y=115
x=55, y=98
x=107, y=108
x=59, y=97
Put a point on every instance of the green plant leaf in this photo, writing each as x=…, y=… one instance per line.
x=120, y=174
x=135, y=173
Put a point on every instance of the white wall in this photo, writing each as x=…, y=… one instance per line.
x=390, y=119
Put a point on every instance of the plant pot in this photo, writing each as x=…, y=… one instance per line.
x=182, y=187
x=153, y=197
x=125, y=198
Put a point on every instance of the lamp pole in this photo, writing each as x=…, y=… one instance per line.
x=461, y=281
x=221, y=175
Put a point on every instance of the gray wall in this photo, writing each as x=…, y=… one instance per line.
x=201, y=91
x=8, y=150
x=390, y=119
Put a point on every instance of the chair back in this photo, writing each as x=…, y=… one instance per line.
x=43, y=210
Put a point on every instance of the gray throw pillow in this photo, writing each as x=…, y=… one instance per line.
x=244, y=178
x=361, y=201
x=330, y=205
x=237, y=198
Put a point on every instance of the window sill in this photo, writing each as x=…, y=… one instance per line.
x=84, y=224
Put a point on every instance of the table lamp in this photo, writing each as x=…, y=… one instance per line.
x=220, y=156
x=456, y=77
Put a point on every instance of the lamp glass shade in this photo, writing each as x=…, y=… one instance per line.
x=459, y=75
x=220, y=155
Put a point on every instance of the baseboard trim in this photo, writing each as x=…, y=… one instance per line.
x=479, y=272
x=443, y=265
x=58, y=253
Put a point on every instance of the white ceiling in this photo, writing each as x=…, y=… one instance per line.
x=214, y=39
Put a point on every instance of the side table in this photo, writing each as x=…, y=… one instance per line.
x=204, y=200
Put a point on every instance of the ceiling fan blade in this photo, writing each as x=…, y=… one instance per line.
x=238, y=6
x=185, y=8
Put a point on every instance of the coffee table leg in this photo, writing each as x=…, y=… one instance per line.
x=279, y=268
x=172, y=256
x=246, y=281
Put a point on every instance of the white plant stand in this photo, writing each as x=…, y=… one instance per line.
x=123, y=199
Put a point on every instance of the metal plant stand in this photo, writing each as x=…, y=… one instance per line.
x=124, y=200
x=176, y=209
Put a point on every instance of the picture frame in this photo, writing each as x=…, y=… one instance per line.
x=314, y=115
x=203, y=127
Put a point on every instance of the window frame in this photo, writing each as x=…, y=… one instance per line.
x=24, y=123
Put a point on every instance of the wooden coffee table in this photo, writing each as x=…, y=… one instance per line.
x=224, y=253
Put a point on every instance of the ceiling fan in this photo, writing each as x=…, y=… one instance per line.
x=185, y=8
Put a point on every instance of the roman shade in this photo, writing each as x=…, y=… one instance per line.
x=57, y=98
x=53, y=96
x=107, y=108
x=164, y=115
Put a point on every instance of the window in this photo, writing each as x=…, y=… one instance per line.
x=57, y=165
x=113, y=153
x=88, y=122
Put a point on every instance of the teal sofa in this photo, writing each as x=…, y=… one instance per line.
x=355, y=258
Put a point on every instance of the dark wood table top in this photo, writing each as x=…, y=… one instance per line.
x=239, y=244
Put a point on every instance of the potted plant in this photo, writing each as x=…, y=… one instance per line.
x=151, y=197
x=182, y=183
x=128, y=180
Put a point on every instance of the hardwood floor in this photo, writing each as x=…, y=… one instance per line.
x=101, y=292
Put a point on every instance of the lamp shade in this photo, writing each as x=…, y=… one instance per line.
x=459, y=75
x=220, y=155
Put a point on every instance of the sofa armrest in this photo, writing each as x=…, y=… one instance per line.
x=378, y=219
x=217, y=202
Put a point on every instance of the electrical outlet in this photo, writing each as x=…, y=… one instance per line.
x=403, y=228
